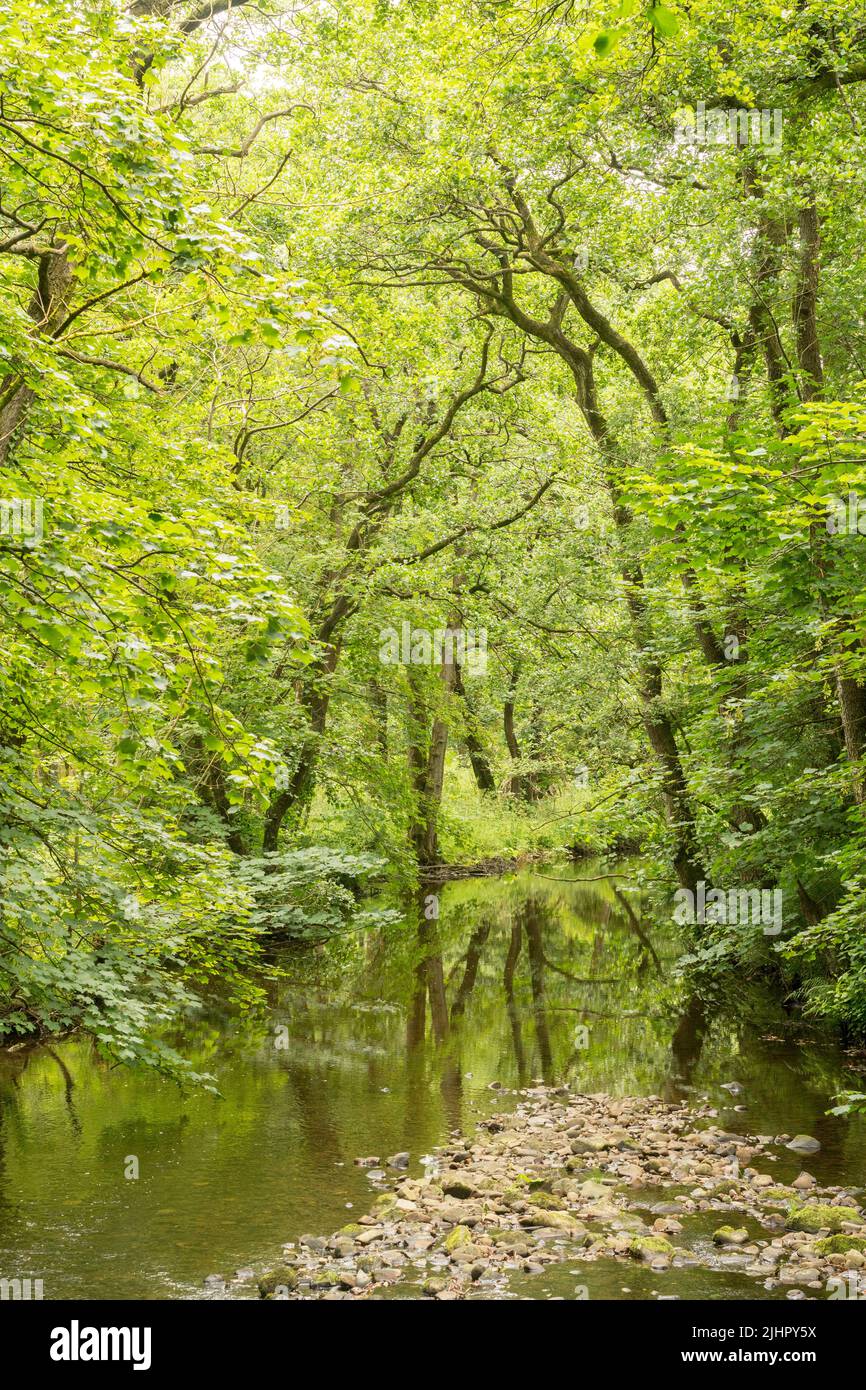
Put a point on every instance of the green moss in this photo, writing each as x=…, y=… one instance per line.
x=730, y=1235
x=548, y=1201
x=278, y=1280
x=644, y=1247
x=385, y=1203
x=531, y=1182
x=819, y=1216
x=434, y=1285
x=840, y=1245
x=558, y=1220
x=461, y=1235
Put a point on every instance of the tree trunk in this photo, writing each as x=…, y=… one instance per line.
x=852, y=705
x=379, y=706
x=770, y=235
x=657, y=723
x=484, y=778
x=659, y=726
x=427, y=761
x=516, y=783
x=532, y=923
x=315, y=698
x=470, y=972
x=511, y=959
x=213, y=791
x=47, y=309
x=850, y=694
x=806, y=306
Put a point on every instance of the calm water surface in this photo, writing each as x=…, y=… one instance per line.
x=383, y=1042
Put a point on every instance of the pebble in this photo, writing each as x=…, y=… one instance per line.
x=519, y=1194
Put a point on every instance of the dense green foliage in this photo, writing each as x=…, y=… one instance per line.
x=320, y=324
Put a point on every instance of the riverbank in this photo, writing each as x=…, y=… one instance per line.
x=400, y=1038
x=493, y=867
x=582, y=1178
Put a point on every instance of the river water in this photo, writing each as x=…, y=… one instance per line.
x=381, y=1042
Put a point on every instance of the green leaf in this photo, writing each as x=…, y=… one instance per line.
x=605, y=42
x=663, y=20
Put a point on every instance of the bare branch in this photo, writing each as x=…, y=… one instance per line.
x=110, y=365
x=244, y=148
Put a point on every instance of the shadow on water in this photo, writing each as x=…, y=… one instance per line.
x=381, y=1042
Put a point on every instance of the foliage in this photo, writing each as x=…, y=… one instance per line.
x=308, y=894
x=325, y=322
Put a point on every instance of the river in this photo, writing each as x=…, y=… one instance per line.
x=380, y=1042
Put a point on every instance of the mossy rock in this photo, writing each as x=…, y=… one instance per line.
x=461, y=1235
x=559, y=1221
x=730, y=1235
x=531, y=1182
x=547, y=1201
x=507, y=1237
x=383, y=1204
x=461, y=1188
x=279, y=1281
x=528, y=1190
x=820, y=1216
x=594, y=1144
x=351, y=1230
x=645, y=1247
x=436, y=1284
x=840, y=1245
x=326, y=1278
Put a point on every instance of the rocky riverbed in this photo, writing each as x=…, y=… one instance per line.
x=564, y=1176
